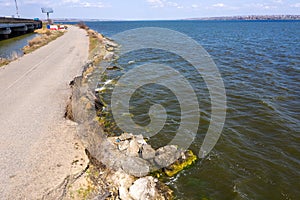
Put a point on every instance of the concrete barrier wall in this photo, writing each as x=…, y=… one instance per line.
x=10, y=27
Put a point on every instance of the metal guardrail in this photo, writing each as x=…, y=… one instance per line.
x=11, y=25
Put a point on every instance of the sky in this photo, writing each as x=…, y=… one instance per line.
x=147, y=9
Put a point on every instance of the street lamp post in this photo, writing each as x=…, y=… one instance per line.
x=17, y=9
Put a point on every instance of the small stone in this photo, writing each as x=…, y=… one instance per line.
x=133, y=148
x=108, y=42
x=113, y=140
x=114, y=67
x=131, y=62
x=183, y=156
x=123, y=145
x=140, y=140
x=109, y=56
x=100, y=36
x=102, y=89
x=89, y=106
x=110, y=49
x=126, y=136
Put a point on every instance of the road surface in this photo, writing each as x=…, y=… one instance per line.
x=37, y=145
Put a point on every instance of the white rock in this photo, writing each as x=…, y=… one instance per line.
x=109, y=56
x=110, y=43
x=123, y=145
x=131, y=62
x=140, y=140
x=143, y=189
x=133, y=148
x=108, y=82
x=100, y=89
x=126, y=136
x=124, y=181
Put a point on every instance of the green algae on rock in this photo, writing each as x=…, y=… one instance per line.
x=185, y=161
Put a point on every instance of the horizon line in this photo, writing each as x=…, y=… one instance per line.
x=228, y=17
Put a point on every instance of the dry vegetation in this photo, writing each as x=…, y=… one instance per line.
x=95, y=38
x=45, y=37
x=95, y=45
x=6, y=61
x=82, y=25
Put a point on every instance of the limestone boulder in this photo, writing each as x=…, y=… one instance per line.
x=166, y=155
x=148, y=152
x=144, y=188
x=135, y=166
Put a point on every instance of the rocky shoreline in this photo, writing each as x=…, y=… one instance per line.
x=121, y=166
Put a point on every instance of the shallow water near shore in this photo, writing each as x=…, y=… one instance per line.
x=14, y=45
x=258, y=155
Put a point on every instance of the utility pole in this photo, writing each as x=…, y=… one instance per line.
x=17, y=9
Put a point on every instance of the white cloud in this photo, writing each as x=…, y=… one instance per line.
x=195, y=6
x=164, y=3
x=278, y=1
x=83, y=4
x=296, y=5
x=35, y=2
x=5, y=3
x=222, y=6
x=64, y=3
x=219, y=5
x=262, y=6
x=174, y=4
x=156, y=3
x=92, y=5
x=70, y=1
x=170, y=3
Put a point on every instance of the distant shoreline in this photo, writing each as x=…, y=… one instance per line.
x=224, y=18
x=251, y=18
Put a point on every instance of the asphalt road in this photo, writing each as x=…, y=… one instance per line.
x=36, y=142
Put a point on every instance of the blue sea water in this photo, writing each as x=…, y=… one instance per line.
x=258, y=154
